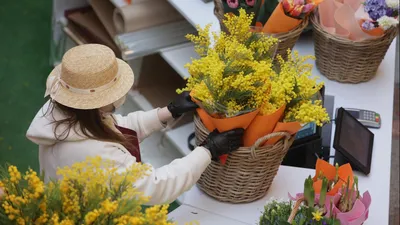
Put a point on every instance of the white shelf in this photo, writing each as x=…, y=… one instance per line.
x=150, y=40
x=194, y=11
x=178, y=56
x=140, y=100
x=179, y=137
x=197, y=12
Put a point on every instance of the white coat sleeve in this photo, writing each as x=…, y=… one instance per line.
x=144, y=123
x=165, y=184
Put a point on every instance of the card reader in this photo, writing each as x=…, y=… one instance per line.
x=367, y=118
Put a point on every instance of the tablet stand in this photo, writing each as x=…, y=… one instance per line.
x=341, y=160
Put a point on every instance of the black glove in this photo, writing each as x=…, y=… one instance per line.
x=223, y=143
x=183, y=103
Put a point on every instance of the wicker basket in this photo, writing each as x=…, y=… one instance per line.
x=287, y=40
x=295, y=209
x=347, y=61
x=247, y=173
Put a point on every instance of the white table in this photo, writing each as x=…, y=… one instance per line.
x=376, y=95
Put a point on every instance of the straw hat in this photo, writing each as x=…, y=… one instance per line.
x=89, y=77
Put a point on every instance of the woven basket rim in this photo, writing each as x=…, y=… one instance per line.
x=319, y=28
x=249, y=149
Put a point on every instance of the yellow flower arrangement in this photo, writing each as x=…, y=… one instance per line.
x=90, y=192
x=236, y=74
x=233, y=76
x=294, y=86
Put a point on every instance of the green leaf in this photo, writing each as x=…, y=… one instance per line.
x=311, y=204
x=266, y=10
x=324, y=189
x=356, y=183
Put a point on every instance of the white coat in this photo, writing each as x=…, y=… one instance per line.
x=163, y=185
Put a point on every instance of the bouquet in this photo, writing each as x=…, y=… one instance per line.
x=273, y=16
x=91, y=192
x=358, y=20
x=316, y=206
x=237, y=85
x=382, y=15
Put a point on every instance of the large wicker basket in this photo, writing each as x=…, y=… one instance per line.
x=348, y=61
x=287, y=40
x=247, y=173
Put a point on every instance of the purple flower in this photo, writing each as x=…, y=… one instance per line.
x=308, y=7
x=375, y=8
x=389, y=11
x=368, y=25
x=298, y=2
x=233, y=3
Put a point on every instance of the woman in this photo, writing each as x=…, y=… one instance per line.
x=77, y=122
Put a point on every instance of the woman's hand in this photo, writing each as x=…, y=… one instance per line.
x=182, y=104
x=223, y=143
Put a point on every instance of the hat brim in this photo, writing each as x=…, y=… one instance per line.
x=98, y=99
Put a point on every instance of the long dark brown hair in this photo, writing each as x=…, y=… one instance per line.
x=89, y=122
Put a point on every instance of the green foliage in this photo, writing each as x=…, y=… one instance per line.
x=261, y=10
x=266, y=10
x=277, y=213
x=309, y=193
x=308, y=213
x=324, y=189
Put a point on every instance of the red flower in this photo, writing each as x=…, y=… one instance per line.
x=233, y=3
x=287, y=5
x=250, y=2
x=296, y=12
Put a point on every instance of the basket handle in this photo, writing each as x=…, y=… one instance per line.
x=295, y=209
x=267, y=137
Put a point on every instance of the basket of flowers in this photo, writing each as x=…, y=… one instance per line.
x=285, y=19
x=351, y=38
x=237, y=85
x=90, y=192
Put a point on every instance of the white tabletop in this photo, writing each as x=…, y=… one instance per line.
x=375, y=95
x=192, y=216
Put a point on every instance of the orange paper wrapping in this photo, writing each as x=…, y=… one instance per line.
x=329, y=171
x=374, y=32
x=279, y=22
x=261, y=126
x=226, y=124
x=290, y=127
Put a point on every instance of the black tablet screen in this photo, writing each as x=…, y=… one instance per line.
x=355, y=139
